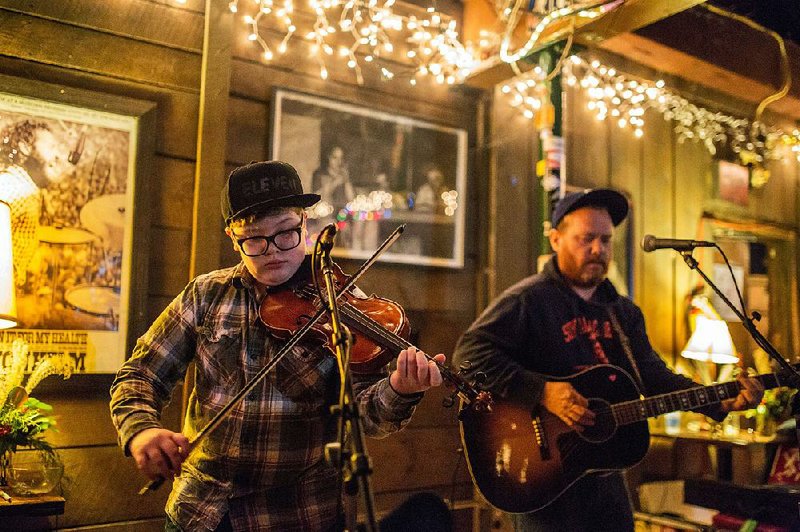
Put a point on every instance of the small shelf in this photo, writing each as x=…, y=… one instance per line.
x=32, y=506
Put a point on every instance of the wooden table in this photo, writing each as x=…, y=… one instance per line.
x=754, y=452
x=32, y=512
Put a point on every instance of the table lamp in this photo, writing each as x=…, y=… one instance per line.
x=8, y=302
x=711, y=341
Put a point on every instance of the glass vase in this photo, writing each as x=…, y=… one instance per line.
x=34, y=472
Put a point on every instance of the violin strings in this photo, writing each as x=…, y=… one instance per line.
x=369, y=326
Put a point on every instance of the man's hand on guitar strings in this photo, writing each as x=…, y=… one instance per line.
x=750, y=394
x=563, y=400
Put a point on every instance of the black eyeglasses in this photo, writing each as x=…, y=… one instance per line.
x=253, y=246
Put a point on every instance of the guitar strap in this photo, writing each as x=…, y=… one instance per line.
x=626, y=346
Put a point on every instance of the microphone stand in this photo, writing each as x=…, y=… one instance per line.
x=354, y=465
x=760, y=339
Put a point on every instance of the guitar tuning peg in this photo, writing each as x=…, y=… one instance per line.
x=448, y=401
x=464, y=366
x=480, y=377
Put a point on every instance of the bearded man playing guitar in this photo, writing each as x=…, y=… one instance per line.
x=559, y=346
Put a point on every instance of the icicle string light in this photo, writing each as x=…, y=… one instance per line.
x=527, y=92
x=626, y=100
x=373, y=31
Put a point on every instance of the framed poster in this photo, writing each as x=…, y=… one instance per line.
x=376, y=171
x=71, y=166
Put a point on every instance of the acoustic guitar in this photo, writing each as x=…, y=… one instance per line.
x=522, y=461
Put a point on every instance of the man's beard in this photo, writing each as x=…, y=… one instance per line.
x=594, y=279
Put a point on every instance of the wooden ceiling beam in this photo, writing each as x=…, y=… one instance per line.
x=696, y=44
x=627, y=17
x=717, y=52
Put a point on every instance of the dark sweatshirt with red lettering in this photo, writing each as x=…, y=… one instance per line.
x=540, y=327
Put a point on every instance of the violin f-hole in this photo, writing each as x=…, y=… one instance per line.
x=302, y=319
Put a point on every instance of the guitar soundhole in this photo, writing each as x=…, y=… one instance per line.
x=604, y=425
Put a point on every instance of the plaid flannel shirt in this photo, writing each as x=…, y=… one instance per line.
x=264, y=465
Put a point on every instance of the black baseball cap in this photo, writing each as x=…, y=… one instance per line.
x=615, y=203
x=260, y=186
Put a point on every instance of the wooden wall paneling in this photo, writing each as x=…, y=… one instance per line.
x=450, y=106
x=248, y=130
x=430, y=289
x=775, y=201
x=99, y=487
x=82, y=421
x=625, y=160
x=511, y=253
x=411, y=460
x=172, y=187
x=587, y=143
x=211, y=137
x=431, y=413
x=625, y=165
x=98, y=479
x=439, y=330
x=169, y=264
x=83, y=418
x=30, y=39
x=164, y=24
x=195, y=6
x=657, y=206
x=480, y=204
x=298, y=58
x=692, y=180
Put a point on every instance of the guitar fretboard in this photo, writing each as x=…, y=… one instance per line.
x=689, y=399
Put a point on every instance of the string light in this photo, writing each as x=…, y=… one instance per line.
x=450, y=200
x=626, y=100
x=373, y=206
x=362, y=32
x=527, y=92
x=551, y=11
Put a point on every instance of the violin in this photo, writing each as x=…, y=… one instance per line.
x=380, y=325
x=380, y=328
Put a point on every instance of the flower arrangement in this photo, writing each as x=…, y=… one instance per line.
x=24, y=419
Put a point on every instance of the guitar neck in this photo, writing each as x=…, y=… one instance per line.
x=689, y=399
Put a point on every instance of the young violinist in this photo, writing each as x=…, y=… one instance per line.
x=263, y=467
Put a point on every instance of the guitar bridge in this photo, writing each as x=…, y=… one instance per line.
x=541, y=437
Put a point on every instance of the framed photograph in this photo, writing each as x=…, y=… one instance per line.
x=70, y=168
x=376, y=171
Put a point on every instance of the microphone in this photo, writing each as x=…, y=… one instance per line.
x=327, y=236
x=651, y=243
